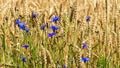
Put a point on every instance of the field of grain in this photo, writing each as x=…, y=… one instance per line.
x=86, y=34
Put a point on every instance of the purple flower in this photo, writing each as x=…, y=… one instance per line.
x=17, y=21
x=88, y=19
x=25, y=46
x=21, y=26
x=42, y=27
x=26, y=29
x=55, y=19
x=84, y=45
x=34, y=14
x=83, y=59
x=54, y=27
x=51, y=34
x=64, y=66
x=24, y=59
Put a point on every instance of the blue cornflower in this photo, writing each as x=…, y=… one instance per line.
x=64, y=66
x=88, y=18
x=25, y=46
x=55, y=19
x=42, y=27
x=51, y=34
x=84, y=45
x=34, y=14
x=26, y=29
x=22, y=26
x=17, y=21
x=54, y=27
x=83, y=59
x=24, y=59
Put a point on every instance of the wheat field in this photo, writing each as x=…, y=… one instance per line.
x=87, y=36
